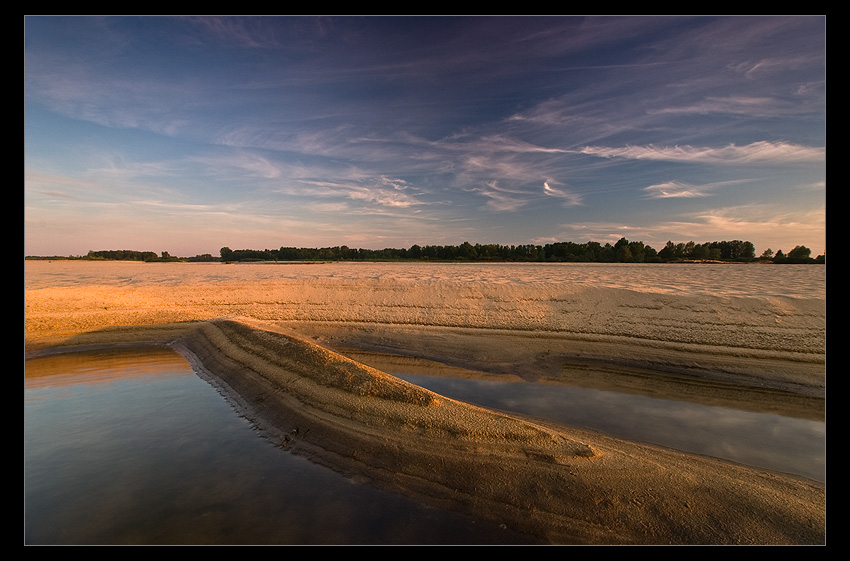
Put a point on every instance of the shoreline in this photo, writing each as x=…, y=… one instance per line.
x=791, y=389
x=307, y=361
x=367, y=424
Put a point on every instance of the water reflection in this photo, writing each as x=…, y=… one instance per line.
x=765, y=440
x=132, y=448
x=139, y=450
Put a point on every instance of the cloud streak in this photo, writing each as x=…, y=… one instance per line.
x=755, y=153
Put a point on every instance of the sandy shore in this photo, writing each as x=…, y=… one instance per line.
x=282, y=362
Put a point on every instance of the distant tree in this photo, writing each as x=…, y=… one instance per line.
x=593, y=251
x=668, y=251
x=467, y=251
x=767, y=254
x=203, y=258
x=746, y=251
x=638, y=251
x=122, y=255
x=608, y=254
x=800, y=254
x=700, y=251
x=650, y=255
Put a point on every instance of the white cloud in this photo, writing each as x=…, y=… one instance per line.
x=763, y=225
x=674, y=189
x=733, y=105
x=570, y=199
x=756, y=152
x=381, y=191
x=502, y=199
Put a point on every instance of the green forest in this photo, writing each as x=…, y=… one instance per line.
x=624, y=251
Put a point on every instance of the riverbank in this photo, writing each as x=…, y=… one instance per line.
x=282, y=362
x=563, y=485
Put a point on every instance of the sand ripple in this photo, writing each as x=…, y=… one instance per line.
x=564, y=486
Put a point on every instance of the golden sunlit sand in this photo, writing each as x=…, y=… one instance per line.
x=292, y=355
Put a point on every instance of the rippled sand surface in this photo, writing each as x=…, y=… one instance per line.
x=709, y=279
x=277, y=335
x=747, y=320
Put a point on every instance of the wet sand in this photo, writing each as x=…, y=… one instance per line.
x=277, y=350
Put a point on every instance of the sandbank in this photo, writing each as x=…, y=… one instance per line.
x=304, y=360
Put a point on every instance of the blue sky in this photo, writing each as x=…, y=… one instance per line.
x=187, y=134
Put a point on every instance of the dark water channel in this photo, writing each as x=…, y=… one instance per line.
x=134, y=448
x=131, y=447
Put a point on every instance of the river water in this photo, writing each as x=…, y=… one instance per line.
x=131, y=447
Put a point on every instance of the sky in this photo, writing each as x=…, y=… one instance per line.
x=188, y=134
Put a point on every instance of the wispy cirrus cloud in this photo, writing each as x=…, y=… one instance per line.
x=674, y=189
x=506, y=199
x=241, y=165
x=682, y=190
x=381, y=191
x=502, y=199
x=733, y=105
x=240, y=31
x=568, y=198
x=763, y=219
x=756, y=152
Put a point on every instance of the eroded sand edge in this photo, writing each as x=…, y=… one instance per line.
x=562, y=485
x=273, y=359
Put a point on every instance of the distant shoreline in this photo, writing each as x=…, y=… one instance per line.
x=623, y=251
x=426, y=261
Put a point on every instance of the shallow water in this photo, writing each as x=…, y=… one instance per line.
x=764, y=440
x=134, y=448
x=152, y=454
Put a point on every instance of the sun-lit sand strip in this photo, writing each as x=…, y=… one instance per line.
x=275, y=359
x=533, y=329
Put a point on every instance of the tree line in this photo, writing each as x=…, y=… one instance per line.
x=125, y=255
x=130, y=255
x=623, y=251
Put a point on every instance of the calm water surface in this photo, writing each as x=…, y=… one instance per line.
x=136, y=449
x=131, y=447
x=760, y=439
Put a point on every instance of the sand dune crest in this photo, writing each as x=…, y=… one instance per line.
x=546, y=481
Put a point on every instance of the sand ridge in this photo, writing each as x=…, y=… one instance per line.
x=275, y=348
x=561, y=485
